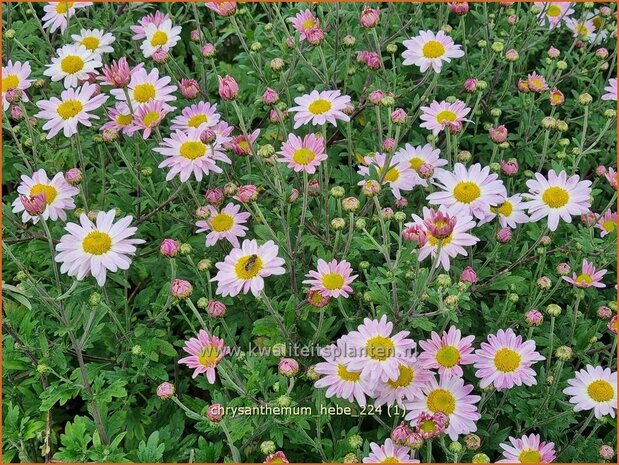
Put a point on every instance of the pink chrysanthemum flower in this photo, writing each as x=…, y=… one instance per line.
x=611, y=177
x=222, y=8
x=187, y=154
x=205, y=352
x=71, y=109
x=399, y=175
x=553, y=13
x=594, y=388
x=57, y=192
x=431, y=425
x=607, y=223
x=320, y=108
x=160, y=37
x=505, y=361
x=453, y=398
x=406, y=387
x=557, y=197
x=537, y=83
x=148, y=116
x=448, y=352
x=73, y=64
x=430, y=50
x=580, y=28
x=303, y=22
x=376, y=352
x=120, y=119
x=56, y=14
x=242, y=145
x=145, y=87
x=303, y=154
x=331, y=279
x=199, y=115
x=473, y=190
x=227, y=223
x=339, y=380
x=588, y=276
x=441, y=115
x=454, y=241
x=97, y=247
x=388, y=453
x=15, y=77
x=118, y=73
x=611, y=90
x=528, y=449
x=95, y=40
x=139, y=31
x=244, y=269
x=420, y=156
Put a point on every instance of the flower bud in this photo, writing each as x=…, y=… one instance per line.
x=189, y=88
x=215, y=412
x=288, y=367
x=337, y=224
x=267, y=447
x=370, y=188
x=585, y=99
x=468, y=275
x=337, y=192
x=169, y=248
x=563, y=353
x=228, y=88
x=472, y=441
x=181, y=289
x=553, y=310
x=165, y=390
x=534, y=317
x=504, y=235
x=480, y=458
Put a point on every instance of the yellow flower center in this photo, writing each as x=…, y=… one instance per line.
x=597, y=22
x=582, y=30
x=448, y=356
x=196, y=120
x=555, y=197
x=144, y=92
x=446, y=116
x=333, y=281
x=553, y=11
x=63, y=7
x=379, y=348
x=159, y=38
x=124, y=120
x=69, y=109
x=505, y=209
x=346, y=375
x=466, y=191
x=433, y=49
x=208, y=356
x=555, y=97
x=428, y=426
x=222, y=222
x=416, y=163
x=71, y=64
x=97, y=243
x=507, y=360
x=319, y=106
x=434, y=241
x=47, y=190
x=441, y=400
x=91, y=43
x=308, y=24
x=609, y=225
x=192, y=149
x=10, y=82
x=248, y=267
x=392, y=175
x=390, y=459
x=530, y=455
x=151, y=118
x=601, y=391
x=584, y=278
x=303, y=156
x=405, y=378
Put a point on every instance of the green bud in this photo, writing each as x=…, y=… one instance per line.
x=496, y=112
x=94, y=299
x=9, y=34
x=553, y=310
x=451, y=99
x=562, y=65
x=337, y=192
x=267, y=447
x=355, y=441
x=392, y=48
x=387, y=101
x=202, y=303
x=350, y=458
x=284, y=401
x=364, y=265
x=498, y=47
x=481, y=85
x=186, y=249
x=146, y=172
x=443, y=280
x=205, y=264
x=399, y=217
x=136, y=350
x=266, y=151
x=563, y=353
x=482, y=43
x=513, y=298
x=564, y=142
x=337, y=224
x=360, y=223
x=480, y=458
x=610, y=114
x=585, y=99
x=451, y=301
x=455, y=447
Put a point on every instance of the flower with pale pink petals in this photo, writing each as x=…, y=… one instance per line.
x=205, y=352
x=589, y=276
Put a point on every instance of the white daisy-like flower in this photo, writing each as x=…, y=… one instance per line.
x=399, y=175
x=430, y=50
x=15, y=76
x=95, y=40
x=199, y=115
x=474, y=190
x=57, y=14
x=553, y=13
x=71, y=109
x=319, y=108
x=407, y=386
x=594, y=388
x=426, y=156
x=511, y=213
x=74, y=63
x=163, y=36
x=228, y=223
x=146, y=86
x=58, y=196
x=97, y=248
x=581, y=28
x=557, y=197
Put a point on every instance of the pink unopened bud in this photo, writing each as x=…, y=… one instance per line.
x=398, y=116
x=316, y=299
x=215, y=412
x=401, y=433
x=214, y=196
x=34, y=205
x=290, y=42
x=294, y=195
x=534, y=317
x=459, y=8
x=288, y=367
x=14, y=95
x=504, y=235
x=401, y=203
x=376, y=96
x=203, y=212
x=160, y=55
x=118, y=74
x=468, y=275
x=189, y=88
x=165, y=390
x=604, y=312
x=601, y=53
x=470, y=85
x=369, y=17
x=208, y=50
x=425, y=171
x=228, y=88
x=606, y=452
x=498, y=134
x=589, y=218
x=109, y=135
x=195, y=35
x=553, y=52
x=270, y=96
x=313, y=188
x=208, y=136
x=216, y=308
x=169, y=248
x=563, y=269
x=230, y=189
x=512, y=19
x=181, y=289
x=601, y=171
x=523, y=85
x=416, y=234
x=246, y=193
x=73, y=176
x=509, y=167
x=454, y=127
x=612, y=324
x=16, y=113
x=388, y=144
x=315, y=35
x=512, y=55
